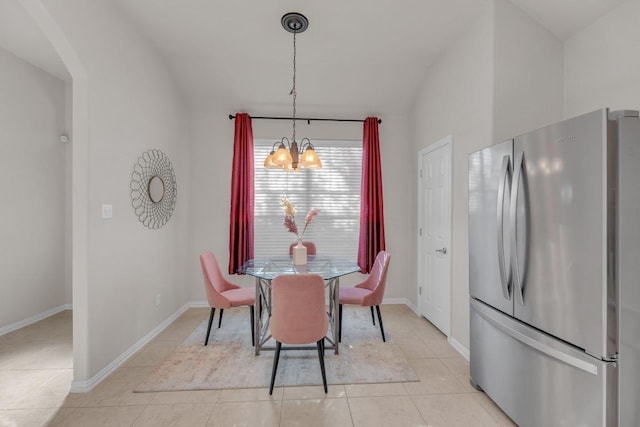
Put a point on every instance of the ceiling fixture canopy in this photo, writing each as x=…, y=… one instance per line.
x=288, y=156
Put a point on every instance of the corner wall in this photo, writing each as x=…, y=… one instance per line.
x=602, y=64
x=133, y=106
x=528, y=89
x=502, y=78
x=456, y=99
x=32, y=184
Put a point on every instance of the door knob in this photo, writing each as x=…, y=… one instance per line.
x=442, y=251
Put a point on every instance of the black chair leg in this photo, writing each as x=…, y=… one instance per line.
x=213, y=311
x=380, y=321
x=373, y=319
x=220, y=318
x=253, y=337
x=321, y=357
x=340, y=322
x=276, y=357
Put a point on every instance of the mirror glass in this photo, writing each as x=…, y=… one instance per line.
x=156, y=189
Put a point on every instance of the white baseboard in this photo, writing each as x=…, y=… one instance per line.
x=464, y=351
x=400, y=301
x=204, y=303
x=87, y=385
x=33, y=319
x=198, y=304
x=452, y=341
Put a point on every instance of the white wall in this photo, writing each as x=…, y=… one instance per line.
x=528, y=74
x=456, y=98
x=133, y=106
x=32, y=185
x=502, y=78
x=602, y=63
x=212, y=155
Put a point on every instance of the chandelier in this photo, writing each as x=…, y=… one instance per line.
x=287, y=155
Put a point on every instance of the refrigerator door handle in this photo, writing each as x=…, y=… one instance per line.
x=503, y=187
x=532, y=342
x=515, y=266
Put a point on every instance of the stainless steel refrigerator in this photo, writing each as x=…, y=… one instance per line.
x=554, y=272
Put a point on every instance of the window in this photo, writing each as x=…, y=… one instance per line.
x=334, y=190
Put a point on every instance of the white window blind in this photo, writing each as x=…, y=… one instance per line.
x=334, y=190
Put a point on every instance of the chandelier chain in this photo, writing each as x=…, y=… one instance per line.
x=293, y=90
x=288, y=155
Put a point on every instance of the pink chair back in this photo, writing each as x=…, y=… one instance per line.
x=214, y=281
x=377, y=279
x=298, y=314
x=311, y=247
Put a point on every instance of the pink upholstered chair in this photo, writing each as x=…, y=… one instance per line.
x=298, y=315
x=368, y=293
x=311, y=248
x=223, y=294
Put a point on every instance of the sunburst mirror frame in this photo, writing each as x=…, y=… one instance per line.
x=153, y=189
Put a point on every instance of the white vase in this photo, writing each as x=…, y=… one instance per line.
x=299, y=254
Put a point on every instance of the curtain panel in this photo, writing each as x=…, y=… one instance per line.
x=242, y=195
x=371, y=204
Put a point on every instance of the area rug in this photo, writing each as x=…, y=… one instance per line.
x=229, y=361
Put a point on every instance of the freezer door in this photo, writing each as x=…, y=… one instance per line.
x=538, y=380
x=489, y=262
x=558, y=225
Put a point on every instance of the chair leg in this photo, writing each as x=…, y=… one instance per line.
x=340, y=323
x=220, y=318
x=276, y=357
x=321, y=357
x=380, y=321
x=253, y=337
x=213, y=311
x=372, y=318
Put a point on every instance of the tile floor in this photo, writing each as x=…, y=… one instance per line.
x=36, y=370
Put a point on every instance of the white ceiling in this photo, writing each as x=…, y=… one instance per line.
x=566, y=17
x=20, y=35
x=358, y=56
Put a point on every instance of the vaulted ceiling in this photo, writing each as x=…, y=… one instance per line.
x=358, y=56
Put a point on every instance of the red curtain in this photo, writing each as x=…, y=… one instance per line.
x=371, y=205
x=242, y=196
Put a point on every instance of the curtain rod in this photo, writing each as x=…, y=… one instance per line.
x=307, y=119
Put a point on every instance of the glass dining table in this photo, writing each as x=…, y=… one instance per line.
x=266, y=269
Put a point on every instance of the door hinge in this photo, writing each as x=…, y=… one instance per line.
x=420, y=290
x=420, y=173
x=420, y=232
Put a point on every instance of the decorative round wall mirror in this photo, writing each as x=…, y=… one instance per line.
x=156, y=189
x=153, y=189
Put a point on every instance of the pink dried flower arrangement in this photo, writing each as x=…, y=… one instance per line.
x=290, y=214
x=290, y=224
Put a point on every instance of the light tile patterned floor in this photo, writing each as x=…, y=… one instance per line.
x=36, y=370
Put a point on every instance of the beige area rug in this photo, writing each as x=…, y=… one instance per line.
x=229, y=360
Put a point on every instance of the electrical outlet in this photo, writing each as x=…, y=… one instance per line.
x=158, y=299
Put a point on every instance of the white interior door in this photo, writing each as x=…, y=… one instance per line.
x=434, y=241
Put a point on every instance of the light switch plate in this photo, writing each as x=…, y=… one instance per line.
x=107, y=211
